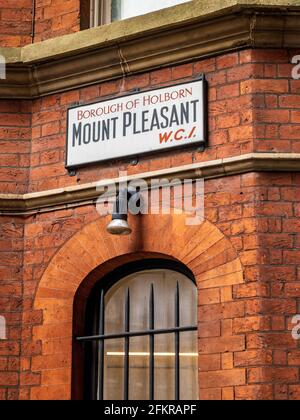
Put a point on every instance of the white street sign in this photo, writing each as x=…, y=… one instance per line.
x=137, y=124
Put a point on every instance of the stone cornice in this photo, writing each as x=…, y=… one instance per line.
x=167, y=37
x=68, y=197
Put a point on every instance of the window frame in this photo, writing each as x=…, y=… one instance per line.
x=94, y=332
x=100, y=12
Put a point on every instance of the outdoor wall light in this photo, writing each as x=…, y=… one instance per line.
x=119, y=224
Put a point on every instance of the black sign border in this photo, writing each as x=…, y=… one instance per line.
x=202, y=144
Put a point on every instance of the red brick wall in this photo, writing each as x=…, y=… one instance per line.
x=52, y=18
x=15, y=139
x=277, y=97
x=11, y=303
x=230, y=124
x=55, y=17
x=263, y=117
x=264, y=230
x=279, y=266
x=253, y=106
x=217, y=306
x=246, y=347
x=15, y=23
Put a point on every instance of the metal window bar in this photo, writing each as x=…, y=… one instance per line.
x=127, y=334
x=101, y=348
x=126, y=353
x=137, y=334
x=151, y=360
x=177, y=344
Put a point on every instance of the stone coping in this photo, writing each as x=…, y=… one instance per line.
x=167, y=37
x=74, y=196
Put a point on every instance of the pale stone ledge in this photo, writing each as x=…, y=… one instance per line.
x=51, y=200
x=171, y=36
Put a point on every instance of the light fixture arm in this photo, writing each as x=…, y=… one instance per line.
x=119, y=224
x=121, y=204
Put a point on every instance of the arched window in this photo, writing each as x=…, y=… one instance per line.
x=141, y=341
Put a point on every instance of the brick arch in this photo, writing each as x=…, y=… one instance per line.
x=204, y=249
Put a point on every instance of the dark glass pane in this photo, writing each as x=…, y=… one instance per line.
x=189, y=366
x=188, y=302
x=139, y=368
x=113, y=369
x=115, y=309
x=164, y=367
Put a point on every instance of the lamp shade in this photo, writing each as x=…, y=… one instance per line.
x=119, y=227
